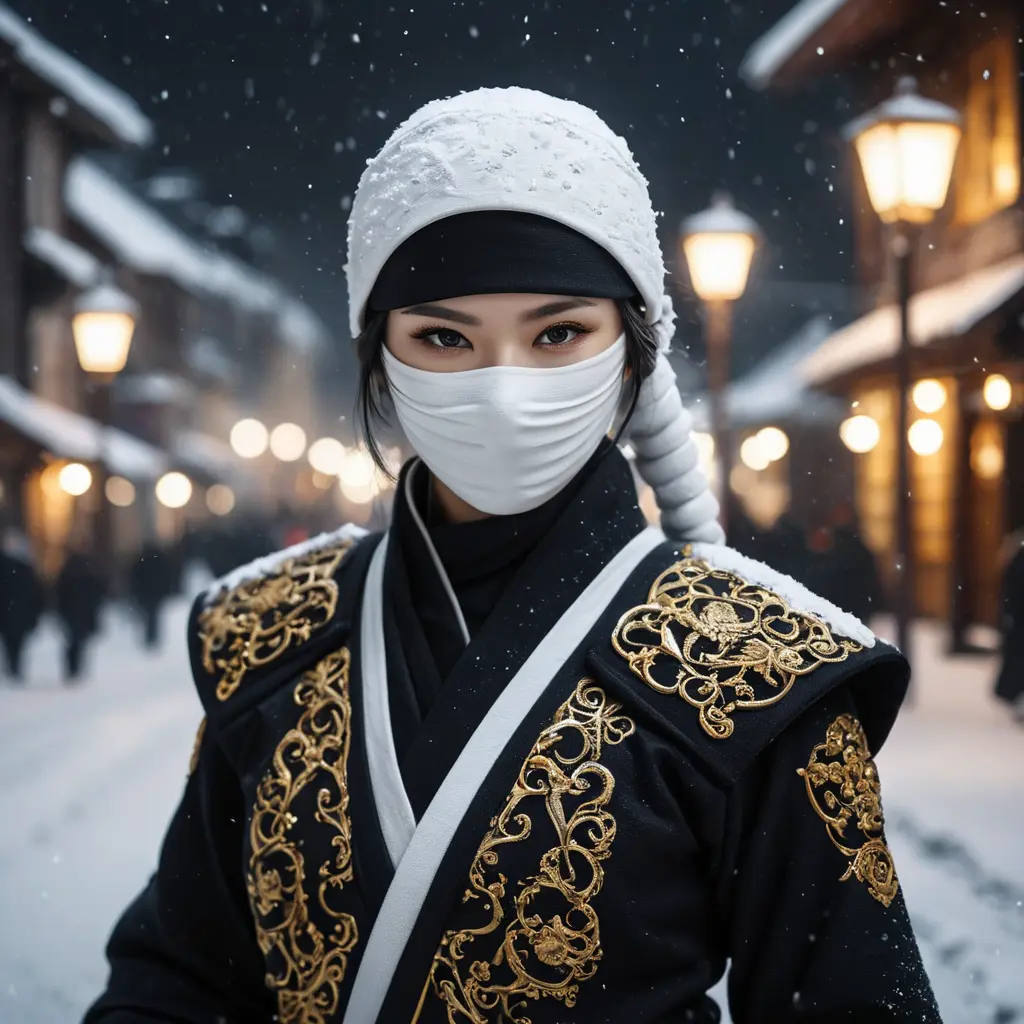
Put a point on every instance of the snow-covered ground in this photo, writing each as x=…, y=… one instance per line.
x=91, y=774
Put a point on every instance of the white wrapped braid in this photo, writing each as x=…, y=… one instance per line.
x=522, y=150
x=668, y=460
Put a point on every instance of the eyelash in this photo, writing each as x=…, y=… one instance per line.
x=424, y=333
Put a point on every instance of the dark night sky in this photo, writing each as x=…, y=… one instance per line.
x=279, y=103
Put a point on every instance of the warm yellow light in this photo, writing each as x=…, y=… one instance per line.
x=393, y=460
x=706, y=448
x=907, y=148
x=929, y=395
x=859, y=433
x=987, y=461
x=102, y=326
x=75, y=479
x=719, y=245
x=174, y=490
x=997, y=392
x=719, y=264
x=753, y=455
x=357, y=471
x=249, y=438
x=120, y=492
x=925, y=437
x=774, y=443
x=326, y=455
x=360, y=494
x=220, y=499
x=102, y=341
x=288, y=442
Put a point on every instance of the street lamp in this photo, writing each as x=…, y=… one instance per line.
x=906, y=147
x=718, y=246
x=102, y=325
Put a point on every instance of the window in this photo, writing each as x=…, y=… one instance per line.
x=988, y=173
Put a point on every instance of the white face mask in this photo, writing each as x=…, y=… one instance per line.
x=507, y=438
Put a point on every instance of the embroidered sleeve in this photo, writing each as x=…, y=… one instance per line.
x=722, y=644
x=259, y=620
x=843, y=787
x=300, y=851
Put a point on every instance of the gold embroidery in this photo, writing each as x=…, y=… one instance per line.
x=259, y=620
x=743, y=647
x=543, y=953
x=193, y=761
x=853, y=794
x=304, y=966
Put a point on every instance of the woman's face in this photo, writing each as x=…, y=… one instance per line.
x=476, y=331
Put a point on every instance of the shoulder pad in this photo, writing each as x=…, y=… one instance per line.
x=268, y=620
x=738, y=651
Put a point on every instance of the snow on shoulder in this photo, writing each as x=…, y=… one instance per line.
x=268, y=564
x=796, y=595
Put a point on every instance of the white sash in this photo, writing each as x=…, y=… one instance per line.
x=394, y=811
x=426, y=847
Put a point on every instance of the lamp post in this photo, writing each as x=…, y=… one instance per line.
x=718, y=246
x=906, y=147
x=103, y=324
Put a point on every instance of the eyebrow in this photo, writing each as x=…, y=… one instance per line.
x=457, y=316
x=554, y=308
x=442, y=313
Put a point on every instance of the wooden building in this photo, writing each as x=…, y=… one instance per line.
x=214, y=339
x=967, y=332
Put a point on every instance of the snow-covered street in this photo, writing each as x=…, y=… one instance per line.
x=92, y=773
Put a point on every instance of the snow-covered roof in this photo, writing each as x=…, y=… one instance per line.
x=947, y=311
x=143, y=239
x=132, y=457
x=301, y=327
x=82, y=87
x=205, y=454
x=771, y=393
x=764, y=59
x=156, y=388
x=71, y=261
x=206, y=356
x=70, y=435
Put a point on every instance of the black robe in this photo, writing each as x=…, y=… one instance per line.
x=693, y=788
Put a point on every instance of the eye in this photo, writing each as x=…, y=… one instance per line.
x=560, y=334
x=443, y=338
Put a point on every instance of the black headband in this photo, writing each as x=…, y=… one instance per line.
x=497, y=251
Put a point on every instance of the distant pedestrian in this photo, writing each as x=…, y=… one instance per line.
x=152, y=582
x=21, y=599
x=1010, y=683
x=79, y=596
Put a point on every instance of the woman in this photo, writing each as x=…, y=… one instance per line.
x=522, y=758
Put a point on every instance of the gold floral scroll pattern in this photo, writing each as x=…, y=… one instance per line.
x=304, y=966
x=551, y=941
x=740, y=647
x=843, y=787
x=256, y=622
x=197, y=746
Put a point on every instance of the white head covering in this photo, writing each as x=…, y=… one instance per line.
x=522, y=150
